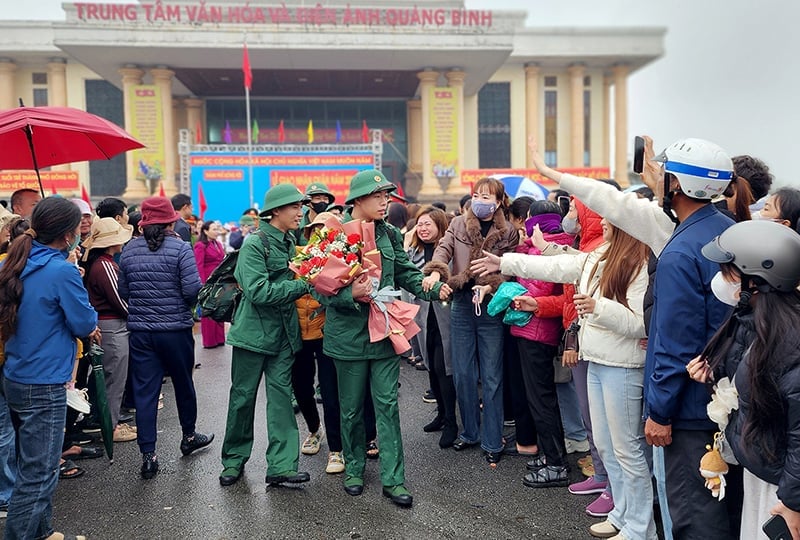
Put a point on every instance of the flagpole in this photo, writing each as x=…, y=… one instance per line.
x=249, y=144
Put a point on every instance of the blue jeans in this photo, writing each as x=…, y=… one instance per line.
x=478, y=340
x=38, y=413
x=661, y=488
x=8, y=453
x=570, y=411
x=615, y=400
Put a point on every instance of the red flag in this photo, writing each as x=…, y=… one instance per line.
x=281, y=133
x=198, y=133
x=248, y=73
x=364, y=132
x=201, y=200
x=161, y=192
x=85, y=195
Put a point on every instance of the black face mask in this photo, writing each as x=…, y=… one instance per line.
x=318, y=207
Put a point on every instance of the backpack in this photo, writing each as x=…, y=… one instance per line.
x=221, y=294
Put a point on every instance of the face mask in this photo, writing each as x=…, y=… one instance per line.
x=483, y=210
x=319, y=207
x=725, y=291
x=570, y=225
x=74, y=244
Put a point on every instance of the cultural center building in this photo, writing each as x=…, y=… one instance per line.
x=451, y=90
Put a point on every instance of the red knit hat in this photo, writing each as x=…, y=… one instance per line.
x=157, y=211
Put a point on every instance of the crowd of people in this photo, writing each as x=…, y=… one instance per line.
x=650, y=330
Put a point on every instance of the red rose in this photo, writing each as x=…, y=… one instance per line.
x=337, y=253
x=323, y=245
x=305, y=268
x=351, y=258
x=353, y=239
x=332, y=235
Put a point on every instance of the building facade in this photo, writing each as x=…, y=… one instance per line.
x=451, y=89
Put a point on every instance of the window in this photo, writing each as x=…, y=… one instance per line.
x=39, y=97
x=108, y=177
x=494, y=126
x=550, y=82
x=39, y=78
x=551, y=127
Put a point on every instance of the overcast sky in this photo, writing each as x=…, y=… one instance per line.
x=729, y=73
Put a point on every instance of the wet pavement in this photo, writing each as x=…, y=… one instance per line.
x=456, y=494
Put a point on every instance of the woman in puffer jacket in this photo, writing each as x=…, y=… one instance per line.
x=537, y=342
x=159, y=280
x=757, y=351
x=612, y=281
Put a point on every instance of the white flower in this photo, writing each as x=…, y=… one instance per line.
x=724, y=400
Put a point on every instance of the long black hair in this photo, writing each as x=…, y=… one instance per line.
x=16, y=227
x=204, y=231
x=776, y=316
x=154, y=234
x=52, y=218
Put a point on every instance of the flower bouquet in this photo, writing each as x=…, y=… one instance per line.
x=332, y=259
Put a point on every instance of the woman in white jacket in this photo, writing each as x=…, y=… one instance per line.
x=612, y=281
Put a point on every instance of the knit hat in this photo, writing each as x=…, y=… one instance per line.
x=158, y=211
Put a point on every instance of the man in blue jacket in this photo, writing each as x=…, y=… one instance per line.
x=685, y=316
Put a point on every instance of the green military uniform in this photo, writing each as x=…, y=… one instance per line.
x=265, y=336
x=347, y=341
x=317, y=188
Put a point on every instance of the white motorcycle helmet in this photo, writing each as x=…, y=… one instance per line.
x=703, y=169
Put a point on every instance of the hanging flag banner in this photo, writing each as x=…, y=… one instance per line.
x=223, y=177
x=147, y=127
x=443, y=125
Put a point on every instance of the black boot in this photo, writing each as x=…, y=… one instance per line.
x=434, y=425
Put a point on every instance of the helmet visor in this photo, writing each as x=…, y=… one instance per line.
x=714, y=252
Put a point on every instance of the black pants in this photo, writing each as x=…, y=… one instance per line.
x=696, y=515
x=536, y=364
x=303, y=375
x=441, y=383
x=514, y=387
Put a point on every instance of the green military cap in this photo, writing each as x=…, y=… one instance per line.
x=367, y=183
x=281, y=195
x=318, y=188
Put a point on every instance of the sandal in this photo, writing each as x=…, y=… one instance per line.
x=372, y=450
x=84, y=452
x=68, y=469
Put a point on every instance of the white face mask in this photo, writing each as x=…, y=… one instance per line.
x=725, y=291
x=570, y=225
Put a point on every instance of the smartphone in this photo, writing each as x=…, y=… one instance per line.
x=776, y=528
x=638, y=155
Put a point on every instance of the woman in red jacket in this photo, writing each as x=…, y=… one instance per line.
x=209, y=252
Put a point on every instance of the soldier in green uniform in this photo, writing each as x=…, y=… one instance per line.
x=357, y=360
x=319, y=198
x=265, y=336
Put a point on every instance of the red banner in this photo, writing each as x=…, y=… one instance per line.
x=338, y=182
x=300, y=136
x=470, y=176
x=60, y=180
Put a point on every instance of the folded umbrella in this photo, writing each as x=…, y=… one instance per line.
x=103, y=411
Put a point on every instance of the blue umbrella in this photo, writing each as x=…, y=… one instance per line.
x=520, y=186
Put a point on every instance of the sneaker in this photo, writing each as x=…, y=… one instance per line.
x=510, y=423
x=311, y=444
x=149, y=465
x=602, y=505
x=195, y=441
x=78, y=399
x=318, y=394
x=429, y=397
x=574, y=447
x=3, y=510
x=124, y=433
x=335, y=463
x=588, y=487
x=619, y=536
x=604, y=529
x=547, y=476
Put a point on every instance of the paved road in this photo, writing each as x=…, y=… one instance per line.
x=456, y=495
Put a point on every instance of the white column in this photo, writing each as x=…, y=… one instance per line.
x=576, y=135
x=7, y=84
x=532, y=91
x=621, y=124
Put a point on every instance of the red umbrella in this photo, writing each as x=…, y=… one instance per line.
x=33, y=137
